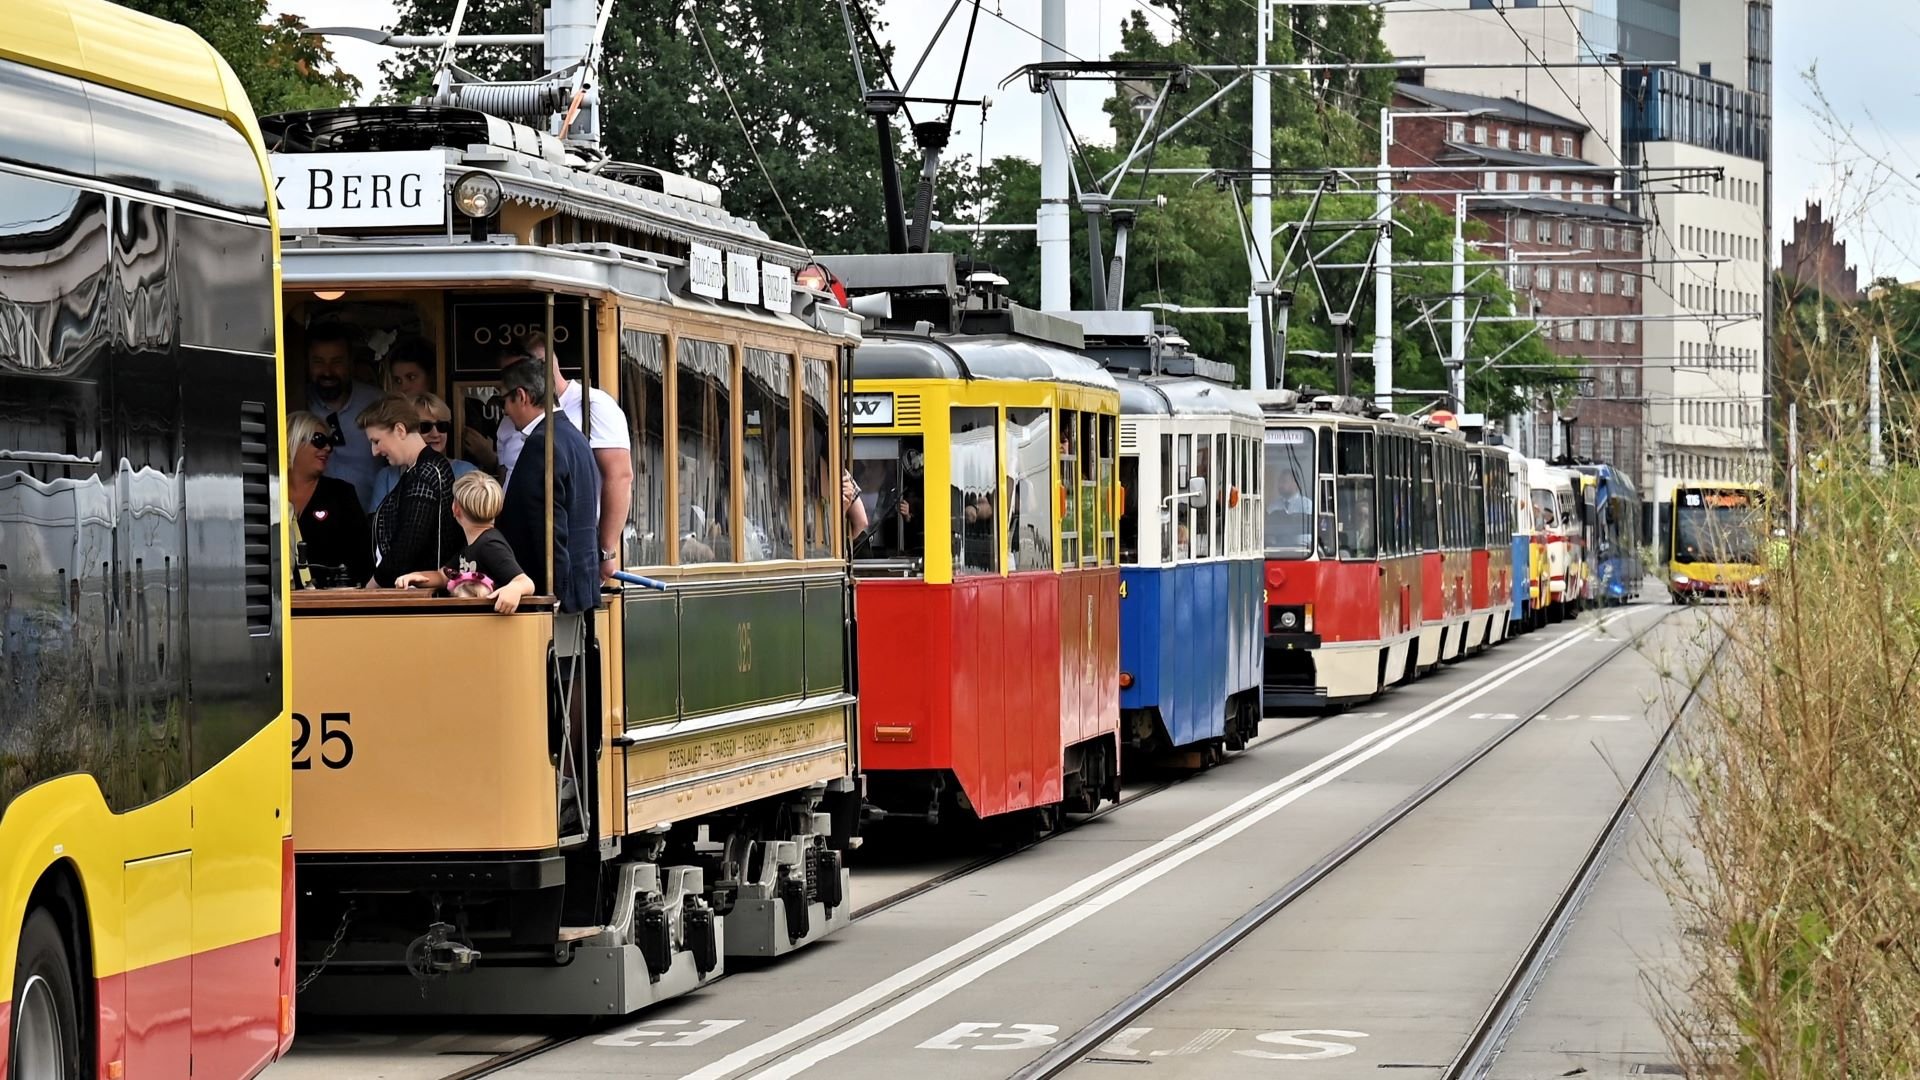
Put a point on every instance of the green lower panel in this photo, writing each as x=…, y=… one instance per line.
x=826, y=638
x=741, y=645
x=652, y=661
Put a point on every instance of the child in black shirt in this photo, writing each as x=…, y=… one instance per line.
x=486, y=566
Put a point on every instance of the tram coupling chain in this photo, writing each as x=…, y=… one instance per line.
x=339, y=935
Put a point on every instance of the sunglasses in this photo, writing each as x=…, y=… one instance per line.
x=428, y=427
x=320, y=440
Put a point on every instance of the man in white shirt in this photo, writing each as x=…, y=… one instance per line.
x=611, y=440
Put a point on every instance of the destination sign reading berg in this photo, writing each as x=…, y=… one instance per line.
x=362, y=190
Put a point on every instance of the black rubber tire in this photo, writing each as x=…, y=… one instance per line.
x=43, y=956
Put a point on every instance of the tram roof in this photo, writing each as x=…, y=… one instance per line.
x=999, y=357
x=1175, y=396
x=114, y=46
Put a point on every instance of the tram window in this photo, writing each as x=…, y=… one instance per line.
x=706, y=451
x=1182, y=509
x=1289, y=504
x=1109, y=552
x=1543, y=512
x=1477, y=501
x=1329, y=542
x=891, y=472
x=1090, y=516
x=1166, y=490
x=1069, y=489
x=1029, y=487
x=973, y=466
x=766, y=463
x=1130, y=509
x=643, y=399
x=1203, y=514
x=1357, y=539
x=1429, y=509
x=816, y=453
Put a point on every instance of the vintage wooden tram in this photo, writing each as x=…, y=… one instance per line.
x=984, y=445
x=1191, y=552
x=575, y=813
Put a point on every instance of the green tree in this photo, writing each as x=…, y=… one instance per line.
x=281, y=68
x=791, y=77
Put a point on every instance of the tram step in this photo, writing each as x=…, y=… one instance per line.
x=579, y=933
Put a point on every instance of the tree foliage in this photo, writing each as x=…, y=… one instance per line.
x=281, y=68
x=786, y=64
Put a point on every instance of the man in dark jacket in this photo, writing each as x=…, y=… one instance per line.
x=576, y=494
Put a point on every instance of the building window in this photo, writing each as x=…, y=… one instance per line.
x=1566, y=329
x=1606, y=330
x=1607, y=238
x=1606, y=378
x=1606, y=286
x=1586, y=281
x=1513, y=182
x=1606, y=444
x=1628, y=283
x=1566, y=146
x=1555, y=187
x=1629, y=241
x=1586, y=237
x=1534, y=182
x=1629, y=378
x=1566, y=233
x=1502, y=138
x=1523, y=230
x=1526, y=141
x=1566, y=281
x=1586, y=329
x=1491, y=182
x=1480, y=134
x=1543, y=279
x=1459, y=131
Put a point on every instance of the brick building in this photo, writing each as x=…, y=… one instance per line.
x=1817, y=259
x=1576, y=256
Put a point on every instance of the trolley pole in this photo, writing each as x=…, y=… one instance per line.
x=1053, y=232
x=1457, y=358
x=1262, y=263
x=1383, y=272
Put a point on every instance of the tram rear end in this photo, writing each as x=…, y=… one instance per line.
x=559, y=811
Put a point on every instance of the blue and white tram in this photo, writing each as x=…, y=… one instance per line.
x=1192, y=642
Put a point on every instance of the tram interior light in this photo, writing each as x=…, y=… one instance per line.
x=329, y=294
x=477, y=195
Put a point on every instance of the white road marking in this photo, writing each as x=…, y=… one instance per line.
x=1016, y=1037
x=642, y=1033
x=1322, y=1049
x=1073, y=904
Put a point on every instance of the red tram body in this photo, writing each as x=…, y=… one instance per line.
x=989, y=610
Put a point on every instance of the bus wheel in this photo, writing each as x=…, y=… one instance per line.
x=46, y=1014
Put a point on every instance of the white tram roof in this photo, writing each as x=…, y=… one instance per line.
x=1177, y=396
x=1002, y=357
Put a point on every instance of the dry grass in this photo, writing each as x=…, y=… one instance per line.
x=1802, y=767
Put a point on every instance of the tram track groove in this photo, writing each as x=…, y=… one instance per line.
x=885, y=1004
x=496, y=1065
x=1477, y=1056
x=1083, y=1043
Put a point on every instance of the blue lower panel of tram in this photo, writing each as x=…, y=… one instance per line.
x=1191, y=640
x=1522, y=567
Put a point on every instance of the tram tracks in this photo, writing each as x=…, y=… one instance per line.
x=1475, y=1058
x=500, y=1063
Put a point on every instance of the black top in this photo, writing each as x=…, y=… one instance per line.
x=575, y=527
x=334, y=530
x=413, y=529
x=489, y=555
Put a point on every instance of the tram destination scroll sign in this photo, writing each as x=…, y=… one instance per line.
x=361, y=190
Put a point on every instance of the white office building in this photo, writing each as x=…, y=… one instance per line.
x=1705, y=343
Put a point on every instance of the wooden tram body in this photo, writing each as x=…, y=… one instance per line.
x=1191, y=554
x=989, y=632
x=584, y=813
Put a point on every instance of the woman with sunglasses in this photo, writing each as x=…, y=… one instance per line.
x=328, y=521
x=413, y=528
x=436, y=427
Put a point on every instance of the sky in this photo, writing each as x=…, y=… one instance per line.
x=1856, y=54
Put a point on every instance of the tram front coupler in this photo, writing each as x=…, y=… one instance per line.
x=793, y=892
x=435, y=953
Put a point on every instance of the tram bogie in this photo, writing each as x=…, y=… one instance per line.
x=566, y=811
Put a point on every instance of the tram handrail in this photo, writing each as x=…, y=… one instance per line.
x=643, y=582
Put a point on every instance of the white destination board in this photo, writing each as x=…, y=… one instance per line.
x=873, y=410
x=776, y=287
x=370, y=190
x=743, y=278
x=708, y=270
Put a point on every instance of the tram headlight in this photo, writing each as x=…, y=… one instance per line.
x=1289, y=621
x=477, y=195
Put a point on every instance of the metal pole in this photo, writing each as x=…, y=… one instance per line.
x=1457, y=365
x=1262, y=268
x=552, y=361
x=1875, y=460
x=1051, y=225
x=1793, y=467
x=1383, y=273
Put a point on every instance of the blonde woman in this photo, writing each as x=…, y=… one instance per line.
x=326, y=513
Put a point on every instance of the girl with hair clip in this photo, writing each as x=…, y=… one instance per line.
x=485, y=567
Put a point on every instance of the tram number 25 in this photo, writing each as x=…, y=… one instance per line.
x=336, y=744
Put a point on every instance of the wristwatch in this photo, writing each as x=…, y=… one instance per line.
x=605, y=555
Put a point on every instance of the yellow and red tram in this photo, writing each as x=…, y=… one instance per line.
x=988, y=591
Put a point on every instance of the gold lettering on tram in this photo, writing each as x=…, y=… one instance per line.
x=745, y=662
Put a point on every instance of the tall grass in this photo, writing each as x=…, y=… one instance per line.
x=1801, y=763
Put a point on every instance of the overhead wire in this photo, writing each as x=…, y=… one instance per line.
x=720, y=77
